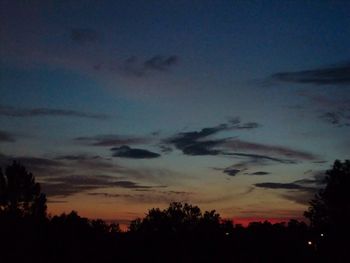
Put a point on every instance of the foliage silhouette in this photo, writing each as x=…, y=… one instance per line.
x=329, y=212
x=331, y=206
x=19, y=193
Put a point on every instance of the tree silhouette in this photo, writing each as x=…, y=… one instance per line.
x=177, y=218
x=329, y=214
x=331, y=206
x=19, y=193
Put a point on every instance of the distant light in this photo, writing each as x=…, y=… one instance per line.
x=227, y=233
x=322, y=234
x=309, y=243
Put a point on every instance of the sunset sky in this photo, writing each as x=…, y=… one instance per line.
x=120, y=106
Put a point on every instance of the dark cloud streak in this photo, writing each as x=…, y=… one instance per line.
x=112, y=140
x=73, y=184
x=36, y=112
x=300, y=191
x=333, y=75
x=259, y=173
x=136, y=67
x=280, y=186
x=271, y=149
x=231, y=171
x=133, y=153
x=196, y=142
x=337, y=118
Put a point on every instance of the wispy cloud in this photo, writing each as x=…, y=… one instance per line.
x=239, y=168
x=36, y=112
x=255, y=157
x=36, y=165
x=78, y=157
x=65, y=175
x=238, y=145
x=69, y=185
x=300, y=191
x=281, y=186
x=259, y=173
x=198, y=143
x=334, y=110
x=202, y=143
x=153, y=196
x=332, y=75
x=112, y=140
x=337, y=118
x=231, y=171
x=139, y=68
x=133, y=153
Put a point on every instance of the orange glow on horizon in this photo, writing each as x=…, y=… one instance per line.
x=244, y=221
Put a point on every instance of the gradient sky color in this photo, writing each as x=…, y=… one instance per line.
x=121, y=106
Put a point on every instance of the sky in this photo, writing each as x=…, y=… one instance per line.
x=117, y=107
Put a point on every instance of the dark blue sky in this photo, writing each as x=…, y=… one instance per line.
x=118, y=107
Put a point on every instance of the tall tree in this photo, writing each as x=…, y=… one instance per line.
x=19, y=193
x=331, y=206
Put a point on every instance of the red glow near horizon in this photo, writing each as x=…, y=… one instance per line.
x=273, y=220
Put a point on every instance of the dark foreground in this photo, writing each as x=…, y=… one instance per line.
x=70, y=238
x=180, y=233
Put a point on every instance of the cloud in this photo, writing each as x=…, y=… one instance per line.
x=331, y=109
x=164, y=197
x=203, y=148
x=69, y=185
x=78, y=157
x=112, y=140
x=138, y=68
x=65, y=175
x=231, y=171
x=337, y=118
x=84, y=36
x=235, y=169
x=259, y=173
x=318, y=179
x=109, y=195
x=165, y=149
x=37, y=165
x=300, y=191
x=270, y=149
x=35, y=112
x=199, y=143
x=6, y=137
x=43, y=167
x=133, y=153
x=299, y=196
x=280, y=186
x=196, y=142
x=262, y=157
x=333, y=75
x=132, y=185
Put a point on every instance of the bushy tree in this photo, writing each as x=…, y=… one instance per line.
x=331, y=206
x=19, y=193
x=177, y=218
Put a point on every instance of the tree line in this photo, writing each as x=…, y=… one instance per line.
x=179, y=233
